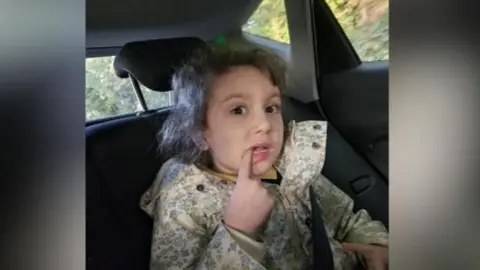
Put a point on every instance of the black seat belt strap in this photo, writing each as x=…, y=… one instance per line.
x=322, y=253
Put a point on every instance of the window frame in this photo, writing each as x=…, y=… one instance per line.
x=343, y=32
x=334, y=50
x=101, y=52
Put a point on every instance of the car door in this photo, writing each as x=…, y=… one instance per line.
x=353, y=78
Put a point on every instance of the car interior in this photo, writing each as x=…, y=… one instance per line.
x=327, y=81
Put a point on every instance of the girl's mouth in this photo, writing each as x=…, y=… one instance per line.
x=260, y=153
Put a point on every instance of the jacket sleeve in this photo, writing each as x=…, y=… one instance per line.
x=337, y=208
x=180, y=243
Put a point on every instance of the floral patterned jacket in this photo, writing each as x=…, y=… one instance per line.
x=187, y=203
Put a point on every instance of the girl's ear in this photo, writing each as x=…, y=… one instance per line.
x=203, y=145
x=203, y=142
x=200, y=142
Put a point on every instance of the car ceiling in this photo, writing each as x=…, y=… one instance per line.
x=112, y=23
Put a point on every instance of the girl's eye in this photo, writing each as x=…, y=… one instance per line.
x=273, y=109
x=239, y=110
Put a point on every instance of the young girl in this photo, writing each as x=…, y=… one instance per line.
x=235, y=192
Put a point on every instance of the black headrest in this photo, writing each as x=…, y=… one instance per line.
x=152, y=62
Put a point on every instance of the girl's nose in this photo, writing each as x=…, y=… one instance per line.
x=262, y=123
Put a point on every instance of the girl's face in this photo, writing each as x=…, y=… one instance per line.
x=244, y=112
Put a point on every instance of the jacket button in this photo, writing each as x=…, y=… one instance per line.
x=308, y=222
x=200, y=187
x=317, y=127
x=315, y=145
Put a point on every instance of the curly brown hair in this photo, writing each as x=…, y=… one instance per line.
x=182, y=132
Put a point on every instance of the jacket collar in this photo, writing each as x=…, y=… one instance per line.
x=303, y=154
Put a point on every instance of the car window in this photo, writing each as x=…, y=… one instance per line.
x=107, y=95
x=155, y=99
x=269, y=21
x=365, y=23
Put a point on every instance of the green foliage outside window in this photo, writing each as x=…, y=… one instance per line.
x=108, y=95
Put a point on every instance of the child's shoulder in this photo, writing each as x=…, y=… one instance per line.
x=307, y=127
x=304, y=149
x=307, y=135
x=176, y=185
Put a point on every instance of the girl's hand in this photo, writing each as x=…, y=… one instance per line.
x=250, y=204
x=376, y=257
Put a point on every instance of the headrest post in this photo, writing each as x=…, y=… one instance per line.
x=138, y=92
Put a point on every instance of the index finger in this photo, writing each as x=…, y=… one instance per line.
x=244, y=171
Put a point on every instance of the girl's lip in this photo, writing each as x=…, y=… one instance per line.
x=262, y=145
x=260, y=155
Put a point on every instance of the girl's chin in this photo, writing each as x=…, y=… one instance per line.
x=261, y=168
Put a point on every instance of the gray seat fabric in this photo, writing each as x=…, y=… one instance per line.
x=121, y=162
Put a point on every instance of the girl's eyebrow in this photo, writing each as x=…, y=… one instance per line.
x=232, y=96
x=241, y=95
x=274, y=95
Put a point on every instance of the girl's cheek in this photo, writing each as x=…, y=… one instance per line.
x=278, y=118
x=237, y=119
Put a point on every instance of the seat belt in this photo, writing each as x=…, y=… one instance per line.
x=322, y=254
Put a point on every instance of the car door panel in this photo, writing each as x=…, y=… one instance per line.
x=356, y=103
